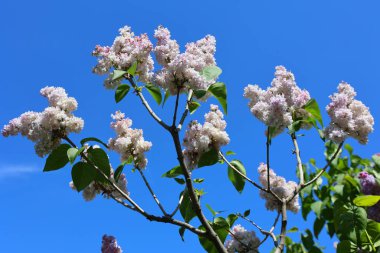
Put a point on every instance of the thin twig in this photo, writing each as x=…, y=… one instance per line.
x=151, y=191
x=186, y=112
x=177, y=207
x=284, y=222
x=268, y=159
x=299, y=161
x=176, y=108
x=145, y=103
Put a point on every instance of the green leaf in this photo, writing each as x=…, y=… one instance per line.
x=121, y=91
x=57, y=158
x=220, y=93
x=155, y=92
x=307, y=240
x=174, y=172
x=312, y=107
x=231, y=219
x=118, y=172
x=82, y=174
x=100, y=160
x=376, y=160
x=292, y=230
x=346, y=247
x=193, y=106
x=236, y=179
x=118, y=74
x=247, y=213
x=186, y=208
x=209, y=158
x=132, y=69
x=211, y=210
x=366, y=200
x=83, y=141
x=373, y=229
x=230, y=152
x=72, y=154
x=211, y=73
x=179, y=180
x=317, y=208
x=200, y=93
x=182, y=233
x=318, y=226
x=198, y=180
x=351, y=221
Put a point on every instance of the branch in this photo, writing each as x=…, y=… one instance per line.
x=145, y=103
x=177, y=207
x=247, y=178
x=284, y=222
x=299, y=161
x=151, y=191
x=268, y=168
x=186, y=112
x=212, y=236
x=163, y=219
x=176, y=108
x=134, y=206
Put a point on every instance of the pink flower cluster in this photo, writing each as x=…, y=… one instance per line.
x=48, y=127
x=201, y=138
x=109, y=245
x=126, y=49
x=280, y=187
x=183, y=70
x=276, y=105
x=349, y=117
x=369, y=186
x=128, y=141
x=242, y=241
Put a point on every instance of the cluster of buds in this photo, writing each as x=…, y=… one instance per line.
x=109, y=245
x=369, y=186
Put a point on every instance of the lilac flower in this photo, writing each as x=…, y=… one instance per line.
x=242, y=241
x=48, y=127
x=109, y=245
x=201, y=138
x=369, y=186
x=276, y=105
x=349, y=117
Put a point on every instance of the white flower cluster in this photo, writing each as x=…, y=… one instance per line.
x=276, y=105
x=242, y=241
x=183, y=70
x=48, y=127
x=349, y=117
x=129, y=141
x=200, y=139
x=95, y=188
x=280, y=187
x=126, y=49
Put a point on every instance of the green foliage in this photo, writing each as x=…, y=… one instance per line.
x=132, y=69
x=366, y=200
x=211, y=73
x=186, y=207
x=236, y=179
x=219, y=91
x=155, y=92
x=117, y=74
x=72, y=154
x=121, y=91
x=193, y=106
x=57, y=158
x=99, y=158
x=209, y=158
x=83, y=174
x=83, y=141
x=174, y=172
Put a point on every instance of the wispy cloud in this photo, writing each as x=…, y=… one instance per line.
x=16, y=170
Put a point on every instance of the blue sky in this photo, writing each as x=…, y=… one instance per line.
x=50, y=43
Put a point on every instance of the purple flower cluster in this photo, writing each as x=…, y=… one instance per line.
x=242, y=241
x=369, y=186
x=109, y=245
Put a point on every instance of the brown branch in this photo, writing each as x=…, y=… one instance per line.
x=284, y=222
x=186, y=112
